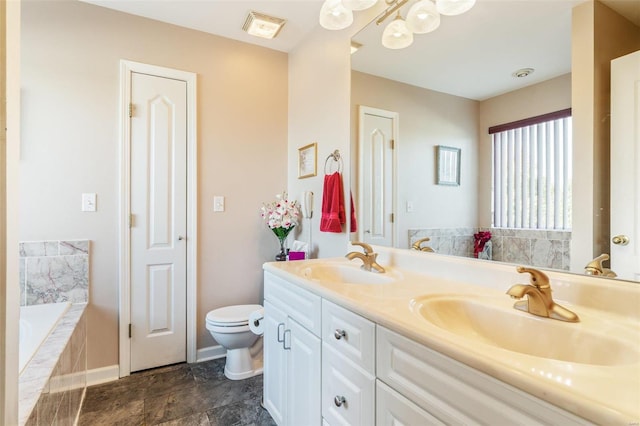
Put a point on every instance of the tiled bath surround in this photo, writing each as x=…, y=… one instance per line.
x=534, y=247
x=53, y=384
x=54, y=271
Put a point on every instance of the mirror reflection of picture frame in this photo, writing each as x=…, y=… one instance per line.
x=448, y=167
x=307, y=160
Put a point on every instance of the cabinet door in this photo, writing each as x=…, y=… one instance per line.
x=303, y=380
x=275, y=363
x=394, y=409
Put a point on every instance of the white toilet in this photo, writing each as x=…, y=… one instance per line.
x=230, y=327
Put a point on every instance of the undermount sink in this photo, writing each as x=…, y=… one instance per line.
x=490, y=321
x=346, y=273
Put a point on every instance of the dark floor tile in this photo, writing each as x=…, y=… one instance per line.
x=199, y=419
x=200, y=398
x=122, y=413
x=138, y=386
x=208, y=371
x=246, y=412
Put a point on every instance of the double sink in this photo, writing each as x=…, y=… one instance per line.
x=491, y=320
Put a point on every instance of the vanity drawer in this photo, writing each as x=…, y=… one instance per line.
x=455, y=393
x=351, y=335
x=394, y=409
x=348, y=392
x=297, y=303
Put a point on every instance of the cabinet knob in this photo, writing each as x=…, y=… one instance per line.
x=339, y=400
x=339, y=334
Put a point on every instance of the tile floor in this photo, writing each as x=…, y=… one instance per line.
x=182, y=394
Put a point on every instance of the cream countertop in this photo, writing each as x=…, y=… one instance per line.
x=604, y=394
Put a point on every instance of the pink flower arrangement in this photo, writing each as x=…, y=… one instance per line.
x=282, y=213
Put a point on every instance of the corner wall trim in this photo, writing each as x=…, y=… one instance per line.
x=103, y=375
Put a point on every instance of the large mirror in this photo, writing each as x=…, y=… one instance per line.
x=444, y=91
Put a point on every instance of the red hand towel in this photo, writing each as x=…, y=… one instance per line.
x=354, y=224
x=332, y=201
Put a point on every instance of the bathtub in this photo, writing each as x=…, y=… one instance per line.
x=36, y=322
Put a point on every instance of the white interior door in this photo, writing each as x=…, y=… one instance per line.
x=377, y=176
x=625, y=166
x=159, y=220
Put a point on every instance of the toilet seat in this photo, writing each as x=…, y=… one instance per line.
x=231, y=316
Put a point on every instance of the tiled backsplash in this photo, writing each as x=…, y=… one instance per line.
x=534, y=247
x=54, y=271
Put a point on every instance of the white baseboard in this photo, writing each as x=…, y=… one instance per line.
x=211, y=352
x=103, y=375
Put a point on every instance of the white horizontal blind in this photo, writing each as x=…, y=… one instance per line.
x=532, y=175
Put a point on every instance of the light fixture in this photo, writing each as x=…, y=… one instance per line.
x=454, y=7
x=522, y=72
x=334, y=16
x=358, y=4
x=261, y=25
x=397, y=35
x=355, y=46
x=423, y=17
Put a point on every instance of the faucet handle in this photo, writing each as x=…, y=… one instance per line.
x=595, y=266
x=538, y=278
x=416, y=245
x=366, y=247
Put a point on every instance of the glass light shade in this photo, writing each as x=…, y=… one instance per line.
x=358, y=4
x=423, y=17
x=397, y=35
x=454, y=7
x=334, y=16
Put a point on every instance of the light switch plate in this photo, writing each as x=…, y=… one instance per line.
x=218, y=203
x=89, y=202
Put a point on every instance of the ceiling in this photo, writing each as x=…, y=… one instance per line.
x=471, y=55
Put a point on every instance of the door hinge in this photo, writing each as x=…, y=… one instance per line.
x=130, y=110
x=129, y=330
x=130, y=220
x=393, y=144
x=392, y=218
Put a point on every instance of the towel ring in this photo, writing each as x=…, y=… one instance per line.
x=337, y=158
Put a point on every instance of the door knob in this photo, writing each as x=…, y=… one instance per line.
x=180, y=238
x=621, y=240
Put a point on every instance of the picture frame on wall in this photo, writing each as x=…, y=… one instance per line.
x=448, y=165
x=308, y=161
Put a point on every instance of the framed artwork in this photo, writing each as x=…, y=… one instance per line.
x=448, y=166
x=307, y=160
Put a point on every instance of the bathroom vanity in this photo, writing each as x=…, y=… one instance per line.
x=435, y=340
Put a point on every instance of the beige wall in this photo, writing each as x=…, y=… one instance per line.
x=9, y=157
x=537, y=99
x=70, y=71
x=426, y=119
x=599, y=35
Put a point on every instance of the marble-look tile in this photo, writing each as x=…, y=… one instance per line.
x=57, y=279
x=121, y=412
x=38, y=248
x=496, y=242
x=566, y=255
x=73, y=247
x=246, y=412
x=199, y=419
x=175, y=405
x=22, y=281
x=462, y=246
x=559, y=235
x=63, y=416
x=47, y=405
x=546, y=253
x=209, y=371
x=516, y=250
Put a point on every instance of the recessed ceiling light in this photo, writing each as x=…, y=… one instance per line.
x=355, y=46
x=522, y=72
x=261, y=25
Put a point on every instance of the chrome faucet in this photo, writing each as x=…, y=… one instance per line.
x=417, y=245
x=595, y=267
x=368, y=257
x=539, y=301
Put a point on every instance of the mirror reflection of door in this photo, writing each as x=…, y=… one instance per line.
x=625, y=166
x=377, y=137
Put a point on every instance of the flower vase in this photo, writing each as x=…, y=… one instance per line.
x=282, y=234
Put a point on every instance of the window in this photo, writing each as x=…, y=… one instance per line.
x=532, y=172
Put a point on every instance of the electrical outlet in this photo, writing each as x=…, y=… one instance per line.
x=218, y=203
x=89, y=202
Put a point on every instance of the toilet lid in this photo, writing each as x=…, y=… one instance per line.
x=236, y=315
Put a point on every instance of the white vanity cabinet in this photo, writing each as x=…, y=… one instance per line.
x=348, y=367
x=292, y=353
